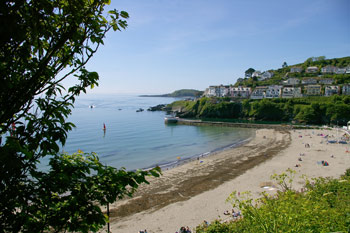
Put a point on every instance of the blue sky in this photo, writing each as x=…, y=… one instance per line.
x=177, y=44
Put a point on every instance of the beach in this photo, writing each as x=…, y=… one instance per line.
x=196, y=191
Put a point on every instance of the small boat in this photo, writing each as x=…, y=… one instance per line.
x=140, y=110
x=92, y=106
x=170, y=119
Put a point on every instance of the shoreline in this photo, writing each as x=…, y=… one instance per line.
x=191, y=193
x=182, y=161
x=194, y=178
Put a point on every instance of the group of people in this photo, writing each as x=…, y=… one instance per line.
x=184, y=230
x=234, y=214
x=324, y=163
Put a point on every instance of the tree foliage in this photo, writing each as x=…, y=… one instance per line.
x=313, y=110
x=249, y=72
x=42, y=43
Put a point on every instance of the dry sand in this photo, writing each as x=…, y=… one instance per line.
x=196, y=191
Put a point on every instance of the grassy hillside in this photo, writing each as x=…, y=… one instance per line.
x=284, y=73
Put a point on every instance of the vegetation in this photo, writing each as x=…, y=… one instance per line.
x=42, y=43
x=284, y=72
x=311, y=110
x=323, y=206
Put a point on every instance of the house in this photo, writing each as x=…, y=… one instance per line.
x=223, y=91
x=309, y=81
x=210, y=92
x=248, y=75
x=331, y=90
x=217, y=91
x=240, y=92
x=346, y=89
x=329, y=69
x=326, y=81
x=273, y=91
x=256, y=74
x=291, y=92
x=312, y=69
x=265, y=75
x=292, y=81
x=296, y=69
x=341, y=70
x=258, y=93
x=313, y=90
x=347, y=70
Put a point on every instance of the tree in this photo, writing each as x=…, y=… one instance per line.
x=249, y=72
x=266, y=110
x=284, y=65
x=42, y=43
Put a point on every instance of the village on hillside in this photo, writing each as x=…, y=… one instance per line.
x=289, y=87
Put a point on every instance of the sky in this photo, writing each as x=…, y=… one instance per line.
x=192, y=44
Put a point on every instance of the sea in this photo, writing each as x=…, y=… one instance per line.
x=141, y=140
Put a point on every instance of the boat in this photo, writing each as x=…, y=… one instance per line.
x=92, y=106
x=140, y=110
x=171, y=119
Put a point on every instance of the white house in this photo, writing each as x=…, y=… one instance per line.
x=296, y=69
x=291, y=92
x=331, y=90
x=313, y=90
x=292, y=81
x=326, y=81
x=258, y=93
x=265, y=75
x=341, y=70
x=223, y=91
x=312, y=69
x=217, y=91
x=329, y=69
x=274, y=91
x=210, y=92
x=309, y=81
x=347, y=70
x=240, y=92
x=256, y=74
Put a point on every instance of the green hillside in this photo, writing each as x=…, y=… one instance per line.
x=179, y=93
x=284, y=73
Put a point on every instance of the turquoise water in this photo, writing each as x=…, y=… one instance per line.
x=141, y=139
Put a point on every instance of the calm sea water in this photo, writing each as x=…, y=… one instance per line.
x=141, y=139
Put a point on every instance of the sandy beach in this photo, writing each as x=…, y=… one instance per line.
x=197, y=191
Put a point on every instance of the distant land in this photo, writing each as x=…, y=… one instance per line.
x=179, y=93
